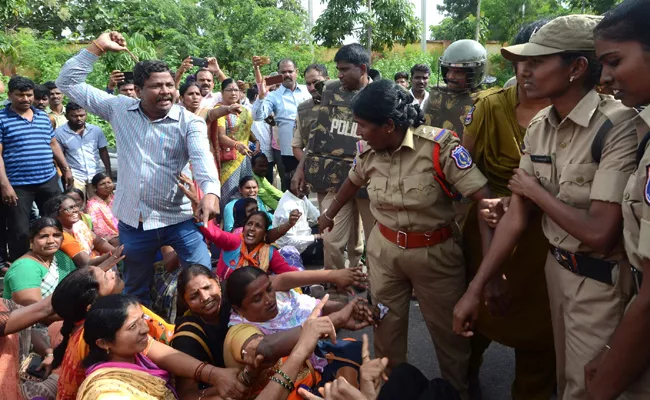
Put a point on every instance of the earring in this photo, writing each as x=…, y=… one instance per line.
x=572, y=79
x=108, y=352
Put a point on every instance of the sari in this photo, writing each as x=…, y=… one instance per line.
x=238, y=127
x=122, y=380
x=104, y=222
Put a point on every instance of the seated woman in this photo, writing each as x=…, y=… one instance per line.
x=125, y=362
x=269, y=194
x=242, y=209
x=34, y=276
x=201, y=332
x=247, y=188
x=267, y=323
x=99, y=208
x=80, y=198
x=79, y=242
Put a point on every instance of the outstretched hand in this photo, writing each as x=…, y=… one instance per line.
x=111, y=41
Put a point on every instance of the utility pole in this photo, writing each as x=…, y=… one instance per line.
x=369, y=4
x=478, y=20
x=310, y=13
x=423, y=41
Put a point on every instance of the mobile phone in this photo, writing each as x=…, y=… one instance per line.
x=33, y=366
x=265, y=60
x=128, y=76
x=199, y=62
x=319, y=86
x=274, y=80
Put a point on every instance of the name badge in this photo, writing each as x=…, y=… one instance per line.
x=541, y=159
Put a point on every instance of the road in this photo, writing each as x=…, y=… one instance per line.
x=498, y=365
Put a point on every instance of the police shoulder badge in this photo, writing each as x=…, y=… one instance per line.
x=461, y=157
x=646, y=190
x=468, y=117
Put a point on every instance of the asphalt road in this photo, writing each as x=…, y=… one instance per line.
x=497, y=372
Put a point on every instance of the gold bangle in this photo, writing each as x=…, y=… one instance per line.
x=98, y=46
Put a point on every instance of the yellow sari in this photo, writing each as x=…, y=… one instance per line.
x=120, y=383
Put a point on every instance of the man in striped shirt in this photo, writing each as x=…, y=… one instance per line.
x=155, y=139
x=27, y=173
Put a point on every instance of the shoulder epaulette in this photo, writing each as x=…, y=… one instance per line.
x=485, y=93
x=438, y=135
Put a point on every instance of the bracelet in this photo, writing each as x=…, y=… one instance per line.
x=337, y=202
x=284, y=385
x=98, y=46
x=327, y=216
x=244, y=376
x=607, y=347
x=198, y=371
x=49, y=355
x=285, y=376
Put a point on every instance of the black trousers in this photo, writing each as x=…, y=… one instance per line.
x=286, y=167
x=17, y=216
x=407, y=382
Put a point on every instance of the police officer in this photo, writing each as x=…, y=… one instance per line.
x=577, y=157
x=315, y=77
x=516, y=311
x=462, y=67
x=411, y=246
x=622, y=43
x=330, y=151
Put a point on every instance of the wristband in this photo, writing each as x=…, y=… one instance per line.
x=98, y=46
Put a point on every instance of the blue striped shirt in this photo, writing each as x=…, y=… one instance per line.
x=26, y=147
x=151, y=154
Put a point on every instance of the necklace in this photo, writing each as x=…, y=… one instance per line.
x=41, y=260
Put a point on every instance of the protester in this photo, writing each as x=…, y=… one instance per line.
x=315, y=77
x=79, y=242
x=124, y=87
x=35, y=275
x=328, y=158
x=41, y=100
x=589, y=289
x=267, y=193
x=83, y=146
x=420, y=83
x=80, y=199
x=411, y=247
x=55, y=102
x=27, y=147
x=150, y=162
x=516, y=309
x=105, y=225
x=622, y=45
x=262, y=131
x=205, y=78
x=402, y=79
x=283, y=103
x=247, y=189
x=243, y=208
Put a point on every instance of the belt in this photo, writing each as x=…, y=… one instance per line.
x=412, y=240
x=589, y=267
x=637, y=277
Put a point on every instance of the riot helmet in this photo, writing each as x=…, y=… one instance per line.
x=468, y=55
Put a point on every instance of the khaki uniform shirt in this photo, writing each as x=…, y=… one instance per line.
x=447, y=109
x=307, y=115
x=636, y=202
x=558, y=153
x=403, y=192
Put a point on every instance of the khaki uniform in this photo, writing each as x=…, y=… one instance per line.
x=331, y=147
x=584, y=312
x=448, y=110
x=405, y=197
x=636, y=233
x=526, y=327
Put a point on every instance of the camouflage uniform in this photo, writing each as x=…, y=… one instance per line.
x=330, y=152
x=307, y=114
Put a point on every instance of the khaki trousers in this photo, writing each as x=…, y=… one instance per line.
x=354, y=216
x=87, y=188
x=584, y=314
x=437, y=274
x=640, y=388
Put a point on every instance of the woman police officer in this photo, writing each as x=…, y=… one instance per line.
x=411, y=246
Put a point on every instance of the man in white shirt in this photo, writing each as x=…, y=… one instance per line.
x=300, y=236
x=419, y=83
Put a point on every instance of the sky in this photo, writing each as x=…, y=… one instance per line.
x=433, y=17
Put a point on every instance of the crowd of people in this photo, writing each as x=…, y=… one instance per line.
x=195, y=271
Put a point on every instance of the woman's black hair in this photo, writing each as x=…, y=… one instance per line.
x=41, y=223
x=76, y=191
x=70, y=300
x=238, y=282
x=526, y=31
x=239, y=211
x=627, y=22
x=98, y=178
x=186, y=86
x=264, y=215
x=226, y=82
x=243, y=181
x=52, y=207
x=186, y=275
x=594, y=67
x=257, y=157
x=385, y=100
x=104, y=320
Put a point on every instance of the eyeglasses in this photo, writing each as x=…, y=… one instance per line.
x=71, y=209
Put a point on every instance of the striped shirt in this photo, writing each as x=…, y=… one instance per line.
x=151, y=154
x=26, y=147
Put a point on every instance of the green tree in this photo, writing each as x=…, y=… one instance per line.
x=458, y=9
x=449, y=29
x=390, y=20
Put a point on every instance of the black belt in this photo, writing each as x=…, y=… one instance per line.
x=589, y=267
x=637, y=277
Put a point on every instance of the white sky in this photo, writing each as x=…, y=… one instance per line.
x=433, y=17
